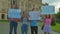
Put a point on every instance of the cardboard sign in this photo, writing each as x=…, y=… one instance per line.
x=47, y=10
x=34, y=15
x=14, y=13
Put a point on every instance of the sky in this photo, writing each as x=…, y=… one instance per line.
x=55, y=3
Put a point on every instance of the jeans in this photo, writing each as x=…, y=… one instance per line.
x=13, y=25
x=24, y=28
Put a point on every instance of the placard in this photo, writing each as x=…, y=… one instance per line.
x=47, y=10
x=14, y=13
x=34, y=15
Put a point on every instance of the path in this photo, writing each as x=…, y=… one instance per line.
x=4, y=29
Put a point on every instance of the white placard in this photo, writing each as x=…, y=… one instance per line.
x=47, y=10
x=34, y=15
x=14, y=13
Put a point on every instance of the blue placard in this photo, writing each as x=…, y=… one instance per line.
x=47, y=10
x=14, y=13
x=34, y=15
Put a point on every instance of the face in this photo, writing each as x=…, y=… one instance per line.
x=24, y=13
x=34, y=9
x=13, y=6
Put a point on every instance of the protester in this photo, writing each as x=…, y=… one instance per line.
x=13, y=23
x=34, y=25
x=47, y=24
x=24, y=26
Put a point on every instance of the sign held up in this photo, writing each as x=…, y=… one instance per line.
x=47, y=10
x=14, y=13
x=34, y=15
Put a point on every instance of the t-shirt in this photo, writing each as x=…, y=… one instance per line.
x=48, y=21
x=33, y=23
x=25, y=21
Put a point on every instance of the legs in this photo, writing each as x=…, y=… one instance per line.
x=24, y=28
x=34, y=30
x=13, y=25
x=15, y=28
x=11, y=28
x=46, y=33
x=46, y=29
x=24, y=32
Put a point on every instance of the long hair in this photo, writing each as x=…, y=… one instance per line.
x=48, y=16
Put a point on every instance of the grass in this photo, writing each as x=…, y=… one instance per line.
x=4, y=20
x=54, y=28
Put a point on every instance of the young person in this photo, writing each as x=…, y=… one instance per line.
x=24, y=26
x=13, y=23
x=47, y=24
x=34, y=25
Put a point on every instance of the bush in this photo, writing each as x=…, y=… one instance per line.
x=53, y=23
x=58, y=21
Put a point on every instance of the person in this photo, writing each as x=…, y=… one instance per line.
x=24, y=26
x=47, y=24
x=34, y=25
x=13, y=23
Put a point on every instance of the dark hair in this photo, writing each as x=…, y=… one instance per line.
x=23, y=12
x=48, y=16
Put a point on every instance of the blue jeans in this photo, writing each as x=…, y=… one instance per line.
x=13, y=25
x=24, y=28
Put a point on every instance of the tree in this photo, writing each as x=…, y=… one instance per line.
x=53, y=23
x=58, y=15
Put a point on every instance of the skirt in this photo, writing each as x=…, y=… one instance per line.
x=47, y=28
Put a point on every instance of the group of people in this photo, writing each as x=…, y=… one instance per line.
x=33, y=24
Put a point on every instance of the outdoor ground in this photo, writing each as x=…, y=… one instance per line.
x=55, y=28
x=4, y=29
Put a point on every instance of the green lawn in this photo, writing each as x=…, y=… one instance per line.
x=54, y=28
x=4, y=20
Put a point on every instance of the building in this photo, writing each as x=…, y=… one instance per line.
x=21, y=4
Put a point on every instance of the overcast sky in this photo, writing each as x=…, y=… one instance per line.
x=56, y=3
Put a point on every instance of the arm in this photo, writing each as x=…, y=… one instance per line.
x=51, y=16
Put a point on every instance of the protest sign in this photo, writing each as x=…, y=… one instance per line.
x=34, y=15
x=47, y=10
x=14, y=13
